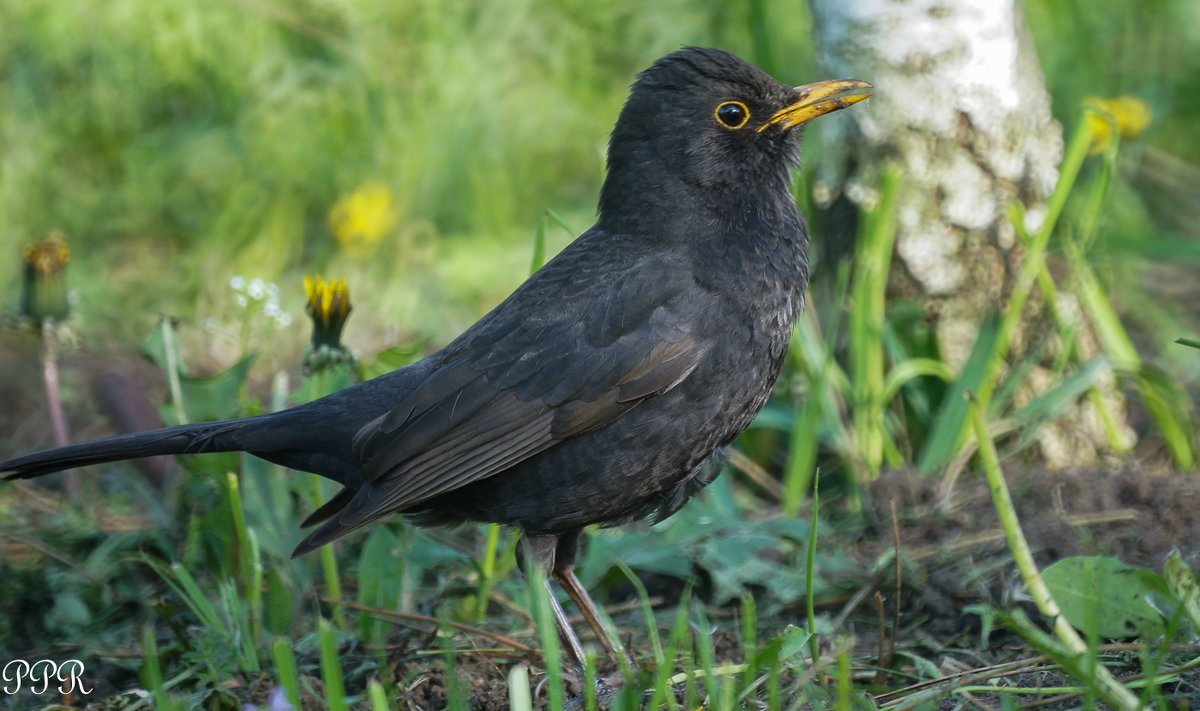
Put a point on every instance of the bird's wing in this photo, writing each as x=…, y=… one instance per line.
x=518, y=383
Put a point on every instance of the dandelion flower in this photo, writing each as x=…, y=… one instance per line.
x=1127, y=115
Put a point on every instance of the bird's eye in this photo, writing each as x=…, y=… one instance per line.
x=732, y=114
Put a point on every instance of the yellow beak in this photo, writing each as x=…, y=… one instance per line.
x=817, y=99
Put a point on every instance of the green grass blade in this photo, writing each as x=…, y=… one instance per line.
x=331, y=667
x=539, y=603
x=1055, y=401
x=872, y=261
x=519, y=697
x=151, y=672
x=1109, y=331
x=1170, y=406
x=810, y=568
x=904, y=371
x=285, y=667
x=1111, y=690
x=704, y=649
x=247, y=554
x=590, y=700
x=749, y=638
x=487, y=572
x=647, y=610
x=944, y=441
x=845, y=683
x=376, y=696
x=1076, y=151
x=187, y=589
x=237, y=616
x=455, y=695
x=329, y=563
x=539, y=246
x=803, y=443
x=539, y=238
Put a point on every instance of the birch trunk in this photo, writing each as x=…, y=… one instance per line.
x=960, y=104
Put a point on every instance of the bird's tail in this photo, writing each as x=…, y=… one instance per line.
x=227, y=436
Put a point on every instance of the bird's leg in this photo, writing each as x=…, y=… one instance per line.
x=564, y=573
x=540, y=550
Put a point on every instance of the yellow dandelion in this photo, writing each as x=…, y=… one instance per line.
x=48, y=256
x=44, y=288
x=328, y=302
x=1127, y=115
x=361, y=219
x=329, y=307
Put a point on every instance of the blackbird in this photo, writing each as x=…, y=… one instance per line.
x=603, y=389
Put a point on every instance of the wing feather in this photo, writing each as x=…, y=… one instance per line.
x=512, y=387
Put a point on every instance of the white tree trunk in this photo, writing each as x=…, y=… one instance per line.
x=960, y=103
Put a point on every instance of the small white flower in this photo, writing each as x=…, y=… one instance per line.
x=238, y=282
x=242, y=300
x=257, y=290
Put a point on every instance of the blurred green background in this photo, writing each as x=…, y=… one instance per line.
x=177, y=144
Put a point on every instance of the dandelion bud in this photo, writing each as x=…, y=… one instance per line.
x=328, y=307
x=44, y=291
x=1127, y=115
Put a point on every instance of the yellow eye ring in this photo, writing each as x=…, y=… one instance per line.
x=732, y=114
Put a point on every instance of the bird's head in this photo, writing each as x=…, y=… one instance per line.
x=706, y=124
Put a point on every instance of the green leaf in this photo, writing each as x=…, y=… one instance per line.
x=794, y=641
x=1052, y=403
x=269, y=505
x=391, y=359
x=1105, y=593
x=280, y=603
x=379, y=575
x=1182, y=582
x=943, y=442
x=710, y=534
x=215, y=397
x=1170, y=405
x=776, y=416
x=154, y=348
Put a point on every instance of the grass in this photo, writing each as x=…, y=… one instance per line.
x=173, y=159
x=183, y=147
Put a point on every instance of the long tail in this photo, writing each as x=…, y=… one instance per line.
x=186, y=439
x=316, y=437
x=255, y=434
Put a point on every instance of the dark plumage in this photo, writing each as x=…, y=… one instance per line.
x=602, y=389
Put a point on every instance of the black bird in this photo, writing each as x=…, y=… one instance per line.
x=603, y=389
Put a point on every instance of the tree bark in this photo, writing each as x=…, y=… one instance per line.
x=960, y=104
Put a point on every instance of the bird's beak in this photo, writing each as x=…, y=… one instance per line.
x=815, y=100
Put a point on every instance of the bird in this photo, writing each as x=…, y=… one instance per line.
x=604, y=389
